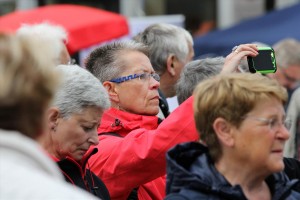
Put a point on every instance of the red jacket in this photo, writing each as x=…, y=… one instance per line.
x=138, y=158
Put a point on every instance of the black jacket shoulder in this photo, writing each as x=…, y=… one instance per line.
x=77, y=174
x=292, y=168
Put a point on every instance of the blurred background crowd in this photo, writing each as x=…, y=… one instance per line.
x=200, y=18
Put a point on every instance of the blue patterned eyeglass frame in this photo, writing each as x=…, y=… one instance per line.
x=134, y=76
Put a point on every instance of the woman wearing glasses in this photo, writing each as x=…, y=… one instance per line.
x=244, y=136
x=131, y=158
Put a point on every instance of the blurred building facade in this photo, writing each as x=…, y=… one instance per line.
x=201, y=16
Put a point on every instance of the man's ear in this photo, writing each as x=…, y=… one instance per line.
x=171, y=64
x=223, y=130
x=53, y=115
x=112, y=91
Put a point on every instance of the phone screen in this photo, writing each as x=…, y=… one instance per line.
x=264, y=60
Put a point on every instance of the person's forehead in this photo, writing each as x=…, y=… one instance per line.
x=293, y=71
x=135, y=59
x=294, y=66
x=132, y=54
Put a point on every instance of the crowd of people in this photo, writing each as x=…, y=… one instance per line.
x=104, y=130
x=28, y=84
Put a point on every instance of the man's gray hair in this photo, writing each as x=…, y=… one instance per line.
x=194, y=72
x=163, y=40
x=107, y=62
x=79, y=89
x=287, y=52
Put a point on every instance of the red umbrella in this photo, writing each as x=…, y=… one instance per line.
x=86, y=26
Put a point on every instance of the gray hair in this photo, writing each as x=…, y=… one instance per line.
x=51, y=36
x=194, y=72
x=287, y=52
x=79, y=89
x=106, y=62
x=163, y=40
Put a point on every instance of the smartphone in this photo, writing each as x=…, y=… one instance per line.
x=264, y=62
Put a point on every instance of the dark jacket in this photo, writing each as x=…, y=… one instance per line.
x=191, y=175
x=292, y=168
x=163, y=104
x=77, y=174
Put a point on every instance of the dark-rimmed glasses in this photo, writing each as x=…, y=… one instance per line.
x=143, y=76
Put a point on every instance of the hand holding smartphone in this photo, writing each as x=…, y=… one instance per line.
x=264, y=62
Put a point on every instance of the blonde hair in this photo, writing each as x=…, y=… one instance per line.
x=27, y=84
x=231, y=97
x=52, y=37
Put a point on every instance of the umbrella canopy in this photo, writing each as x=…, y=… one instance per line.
x=268, y=29
x=86, y=26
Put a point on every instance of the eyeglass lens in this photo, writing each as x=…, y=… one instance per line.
x=147, y=76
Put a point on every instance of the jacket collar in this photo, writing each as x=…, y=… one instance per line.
x=114, y=120
x=82, y=164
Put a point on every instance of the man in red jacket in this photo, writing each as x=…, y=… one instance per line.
x=132, y=143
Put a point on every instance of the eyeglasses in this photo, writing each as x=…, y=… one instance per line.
x=289, y=78
x=144, y=76
x=274, y=123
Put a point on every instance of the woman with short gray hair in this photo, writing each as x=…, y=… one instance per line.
x=72, y=122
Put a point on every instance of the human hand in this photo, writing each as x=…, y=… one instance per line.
x=233, y=60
